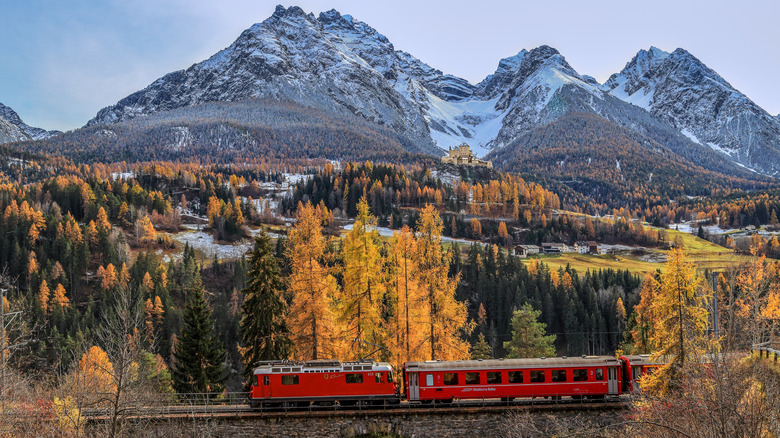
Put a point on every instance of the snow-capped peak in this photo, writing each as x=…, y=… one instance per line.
x=13, y=128
x=681, y=90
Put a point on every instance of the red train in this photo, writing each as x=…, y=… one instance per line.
x=323, y=382
x=285, y=383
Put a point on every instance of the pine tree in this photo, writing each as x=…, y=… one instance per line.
x=199, y=357
x=528, y=335
x=262, y=326
x=481, y=350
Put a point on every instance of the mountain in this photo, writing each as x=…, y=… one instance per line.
x=334, y=64
x=681, y=90
x=12, y=128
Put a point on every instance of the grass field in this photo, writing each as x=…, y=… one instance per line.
x=706, y=255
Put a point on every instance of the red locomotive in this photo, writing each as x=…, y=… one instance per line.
x=283, y=383
x=507, y=379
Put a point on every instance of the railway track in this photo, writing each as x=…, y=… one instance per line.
x=455, y=407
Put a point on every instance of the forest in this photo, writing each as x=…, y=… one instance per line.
x=109, y=307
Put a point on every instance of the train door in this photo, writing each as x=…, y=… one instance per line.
x=414, y=387
x=612, y=380
x=264, y=382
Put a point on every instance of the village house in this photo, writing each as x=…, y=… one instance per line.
x=554, y=248
x=593, y=247
x=526, y=250
x=462, y=155
x=581, y=247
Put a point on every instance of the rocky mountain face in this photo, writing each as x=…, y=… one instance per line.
x=338, y=64
x=12, y=128
x=679, y=89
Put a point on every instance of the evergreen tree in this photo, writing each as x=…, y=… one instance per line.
x=263, y=329
x=528, y=338
x=481, y=350
x=199, y=357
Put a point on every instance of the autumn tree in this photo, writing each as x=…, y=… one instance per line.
x=680, y=306
x=446, y=316
x=363, y=289
x=264, y=332
x=313, y=290
x=406, y=296
x=528, y=335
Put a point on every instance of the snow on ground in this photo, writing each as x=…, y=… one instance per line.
x=122, y=175
x=388, y=232
x=205, y=243
x=692, y=228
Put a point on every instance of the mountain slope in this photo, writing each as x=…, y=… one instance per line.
x=681, y=90
x=259, y=131
x=588, y=157
x=12, y=128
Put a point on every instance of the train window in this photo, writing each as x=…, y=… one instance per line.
x=637, y=372
x=515, y=377
x=354, y=377
x=599, y=374
x=493, y=378
x=472, y=378
x=558, y=375
x=265, y=380
x=450, y=378
x=429, y=379
x=290, y=379
x=537, y=376
x=378, y=377
x=389, y=376
x=580, y=375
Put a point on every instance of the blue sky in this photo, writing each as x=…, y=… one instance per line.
x=62, y=61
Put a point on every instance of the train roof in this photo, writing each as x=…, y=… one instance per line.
x=327, y=365
x=542, y=362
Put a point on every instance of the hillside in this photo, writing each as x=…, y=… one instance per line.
x=589, y=158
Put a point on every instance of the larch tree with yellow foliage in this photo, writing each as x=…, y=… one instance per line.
x=58, y=298
x=363, y=286
x=446, y=316
x=407, y=296
x=310, y=319
x=43, y=296
x=682, y=322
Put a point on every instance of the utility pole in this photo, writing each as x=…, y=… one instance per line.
x=2, y=348
x=715, y=323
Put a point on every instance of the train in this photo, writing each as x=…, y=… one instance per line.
x=369, y=383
